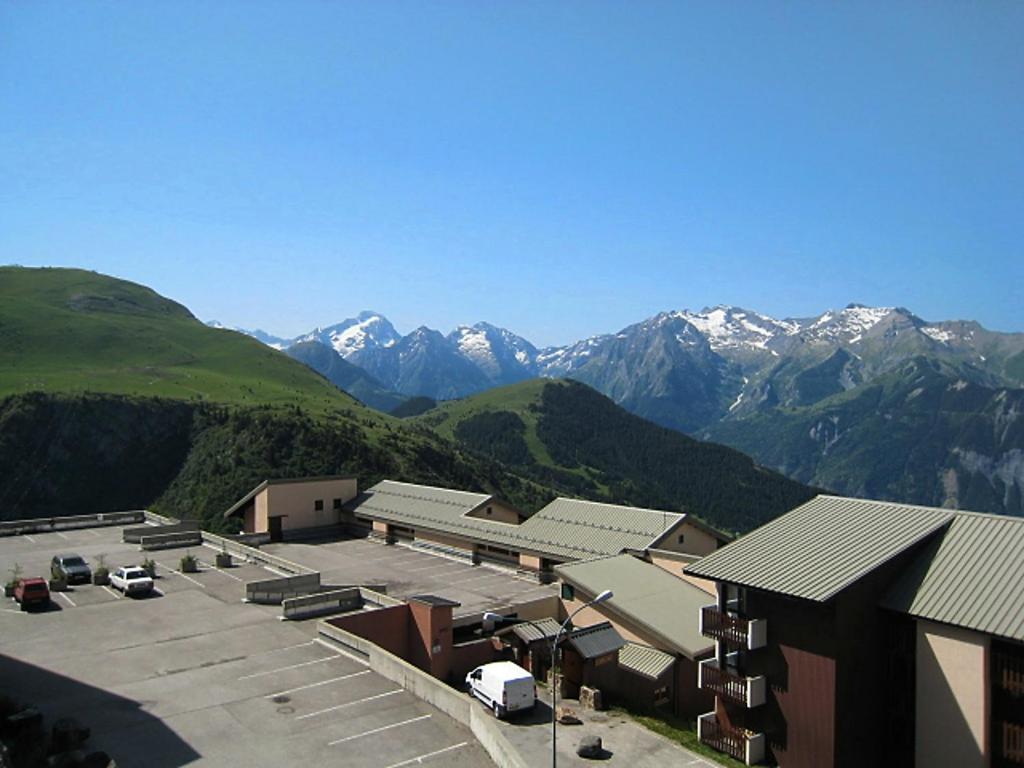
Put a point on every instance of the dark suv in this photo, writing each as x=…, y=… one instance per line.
x=70, y=567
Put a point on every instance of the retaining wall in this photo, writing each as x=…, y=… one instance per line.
x=453, y=703
x=44, y=524
x=171, y=540
x=328, y=601
x=133, y=535
x=274, y=591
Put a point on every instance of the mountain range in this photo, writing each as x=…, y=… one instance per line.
x=114, y=397
x=794, y=393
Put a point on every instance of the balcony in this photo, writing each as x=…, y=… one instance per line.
x=736, y=742
x=719, y=625
x=729, y=684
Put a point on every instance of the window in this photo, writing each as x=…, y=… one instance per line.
x=682, y=537
x=488, y=510
x=568, y=593
x=318, y=505
x=337, y=503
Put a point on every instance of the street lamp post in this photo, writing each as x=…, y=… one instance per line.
x=493, y=617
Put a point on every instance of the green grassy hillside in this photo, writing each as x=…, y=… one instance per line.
x=72, y=331
x=568, y=436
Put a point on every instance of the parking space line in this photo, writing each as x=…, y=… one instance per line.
x=290, y=666
x=350, y=703
x=429, y=755
x=276, y=572
x=222, y=572
x=317, y=685
x=108, y=589
x=286, y=648
x=62, y=536
x=91, y=531
x=29, y=538
x=70, y=601
x=179, y=573
x=378, y=730
x=158, y=591
x=477, y=576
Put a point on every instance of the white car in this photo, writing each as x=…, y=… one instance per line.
x=131, y=580
x=503, y=686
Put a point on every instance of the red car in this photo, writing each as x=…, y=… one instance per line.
x=30, y=592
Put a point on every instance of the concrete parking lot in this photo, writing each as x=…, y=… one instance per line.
x=192, y=676
x=408, y=571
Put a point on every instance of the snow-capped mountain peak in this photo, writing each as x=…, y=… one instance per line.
x=367, y=330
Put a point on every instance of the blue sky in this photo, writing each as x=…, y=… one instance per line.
x=561, y=169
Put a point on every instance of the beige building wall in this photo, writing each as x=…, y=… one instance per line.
x=952, y=697
x=590, y=616
x=498, y=512
x=695, y=541
x=379, y=526
x=675, y=566
x=260, y=505
x=529, y=561
x=296, y=502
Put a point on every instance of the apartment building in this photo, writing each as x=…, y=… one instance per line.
x=851, y=632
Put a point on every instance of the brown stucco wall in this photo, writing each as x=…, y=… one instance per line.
x=430, y=638
x=386, y=627
x=469, y=656
x=952, y=697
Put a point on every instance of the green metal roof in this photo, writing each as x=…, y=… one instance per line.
x=531, y=632
x=435, y=509
x=566, y=529
x=972, y=577
x=574, y=529
x=821, y=547
x=647, y=662
x=595, y=640
x=647, y=596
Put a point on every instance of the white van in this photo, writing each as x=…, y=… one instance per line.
x=503, y=686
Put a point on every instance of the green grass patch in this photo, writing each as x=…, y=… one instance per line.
x=682, y=732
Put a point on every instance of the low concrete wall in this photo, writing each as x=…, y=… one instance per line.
x=44, y=524
x=254, y=555
x=170, y=540
x=134, y=535
x=329, y=601
x=274, y=591
x=453, y=703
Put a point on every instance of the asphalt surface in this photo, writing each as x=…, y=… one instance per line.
x=407, y=572
x=192, y=676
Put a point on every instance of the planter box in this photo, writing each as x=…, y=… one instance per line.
x=8, y=591
x=58, y=585
x=100, y=578
x=223, y=559
x=189, y=566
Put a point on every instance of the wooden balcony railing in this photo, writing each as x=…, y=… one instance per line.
x=730, y=741
x=721, y=626
x=1012, y=743
x=724, y=683
x=1009, y=673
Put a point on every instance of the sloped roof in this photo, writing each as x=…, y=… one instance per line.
x=645, y=595
x=972, y=577
x=542, y=629
x=566, y=529
x=647, y=662
x=596, y=640
x=575, y=529
x=821, y=547
x=424, y=506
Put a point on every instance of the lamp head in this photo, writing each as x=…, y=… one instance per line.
x=492, y=617
x=605, y=595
